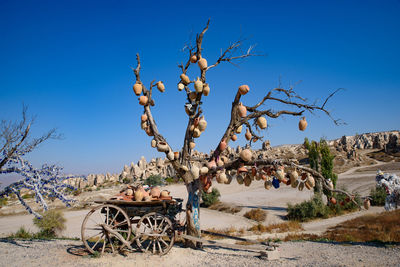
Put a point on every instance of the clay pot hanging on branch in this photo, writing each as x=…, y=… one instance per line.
x=185, y=79
x=239, y=129
x=243, y=89
x=242, y=110
x=181, y=86
x=137, y=88
x=143, y=100
x=246, y=155
x=206, y=89
x=192, y=145
x=160, y=86
x=193, y=59
x=198, y=85
x=202, y=63
x=234, y=138
x=162, y=147
x=222, y=145
x=303, y=124
x=262, y=122
x=248, y=135
x=202, y=124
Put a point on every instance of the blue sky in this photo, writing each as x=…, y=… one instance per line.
x=69, y=61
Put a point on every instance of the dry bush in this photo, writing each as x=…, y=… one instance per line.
x=303, y=237
x=291, y=226
x=382, y=227
x=257, y=215
x=224, y=207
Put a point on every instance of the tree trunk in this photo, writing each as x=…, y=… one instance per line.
x=193, y=213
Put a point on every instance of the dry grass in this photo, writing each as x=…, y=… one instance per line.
x=305, y=237
x=257, y=215
x=383, y=156
x=224, y=207
x=291, y=226
x=382, y=227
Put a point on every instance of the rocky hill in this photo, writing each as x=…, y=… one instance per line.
x=347, y=149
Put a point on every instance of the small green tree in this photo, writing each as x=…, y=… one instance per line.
x=210, y=198
x=155, y=180
x=321, y=158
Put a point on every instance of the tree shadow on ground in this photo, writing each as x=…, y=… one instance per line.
x=18, y=241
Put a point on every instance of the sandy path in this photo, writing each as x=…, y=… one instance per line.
x=71, y=253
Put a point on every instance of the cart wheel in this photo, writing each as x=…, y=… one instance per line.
x=94, y=235
x=155, y=233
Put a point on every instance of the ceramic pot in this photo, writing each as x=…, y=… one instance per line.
x=302, y=124
x=144, y=117
x=185, y=79
x=143, y=100
x=155, y=192
x=206, y=89
x=160, y=86
x=239, y=129
x=202, y=63
x=222, y=145
x=248, y=135
x=193, y=59
x=137, y=88
x=262, y=122
x=198, y=86
x=246, y=155
x=181, y=86
x=242, y=110
x=162, y=147
x=243, y=89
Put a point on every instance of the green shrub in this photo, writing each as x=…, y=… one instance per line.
x=51, y=223
x=211, y=198
x=344, y=203
x=306, y=210
x=257, y=215
x=170, y=180
x=378, y=196
x=126, y=180
x=22, y=233
x=27, y=196
x=155, y=180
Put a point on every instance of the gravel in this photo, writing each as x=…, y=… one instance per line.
x=72, y=253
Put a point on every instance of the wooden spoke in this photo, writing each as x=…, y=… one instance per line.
x=97, y=221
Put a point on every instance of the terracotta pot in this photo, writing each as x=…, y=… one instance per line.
x=242, y=110
x=162, y=146
x=307, y=186
x=243, y=89
x=170, y=155
x=185, y=79
x=333, y=200
x=137, y=88
x=239, y=129
x=222, y=145
x=176, y=155
x=160, y=86
x=196, y=133
x=228, y=179
x=220, y=163
x=129, y=192
x=139, y=194
x=144, y=125
x=195, y=172
x=367, y=204
x=143, y=100
x=164, y=193
x=304, y=176
x=203, y=170
x=280, y=174
x=206, y=89
x=254, y=171
x=293, y=176
x=310, y=181
x=149, y=131
x=246, y=155
x=234, y=138
x=242, y=169
x=202, y=124
x=247, y=180
x=302, y=124
x=262, y=122
x=239, y=179
x=192, y=145
x=267, y=185
x=248, y=135
x=193, y=59
x=155, y=192
x=181, y=86
x=144, y=117
x=198, y=86
x=295, y=183
x=202, y=63
x=153, y=143
x=221, y=178
x=301, y=186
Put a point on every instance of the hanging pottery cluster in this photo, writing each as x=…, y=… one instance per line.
x=198, y=126
x=143, y=99
x=139, y=193
x=145, y=125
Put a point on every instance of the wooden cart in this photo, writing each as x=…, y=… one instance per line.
x=116, y=224
x=151, y=225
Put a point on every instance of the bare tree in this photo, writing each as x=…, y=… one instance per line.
x=47, y=181
x=250, y=116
